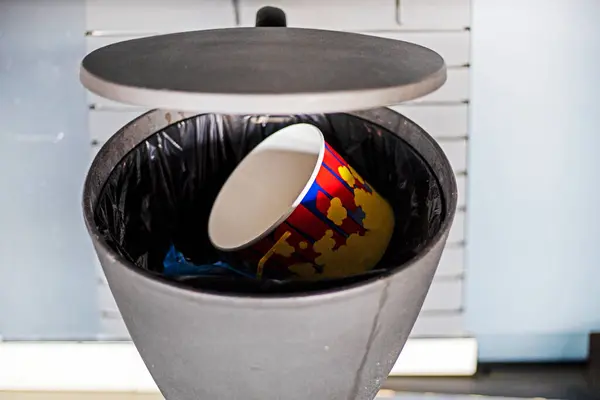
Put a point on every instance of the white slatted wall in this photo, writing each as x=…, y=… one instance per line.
x=442, y=25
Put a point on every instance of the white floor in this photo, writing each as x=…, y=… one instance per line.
x=118, y=367
x=76, y=396
x=112, y=396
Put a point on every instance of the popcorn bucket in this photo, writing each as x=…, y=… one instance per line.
x=294, y=208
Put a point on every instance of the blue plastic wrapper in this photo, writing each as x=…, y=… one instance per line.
x=176, y=266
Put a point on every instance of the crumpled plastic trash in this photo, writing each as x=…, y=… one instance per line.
x=177, y=265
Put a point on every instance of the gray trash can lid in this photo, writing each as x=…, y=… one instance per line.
x=263, y=71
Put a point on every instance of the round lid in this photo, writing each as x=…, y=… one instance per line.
x=263, y=71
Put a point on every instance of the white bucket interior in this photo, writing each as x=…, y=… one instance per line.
x=266, y=186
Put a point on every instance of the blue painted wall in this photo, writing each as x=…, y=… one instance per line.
x=533, y=273
x=47, y=284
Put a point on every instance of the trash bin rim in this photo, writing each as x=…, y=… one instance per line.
x=383, y=117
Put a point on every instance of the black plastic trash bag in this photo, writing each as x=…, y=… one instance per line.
x=157, y=201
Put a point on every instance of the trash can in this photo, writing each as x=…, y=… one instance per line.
x=217, y=94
